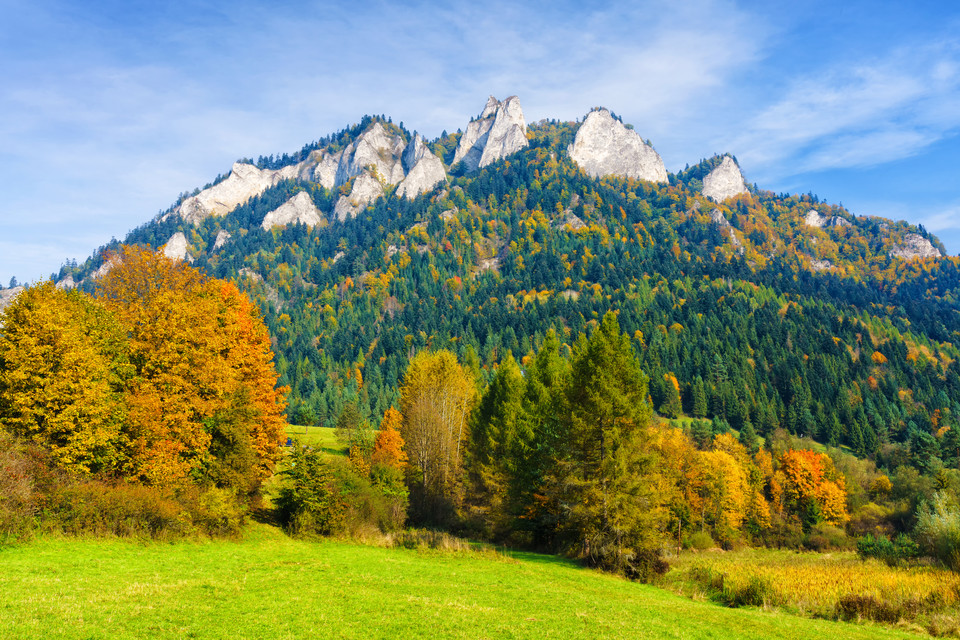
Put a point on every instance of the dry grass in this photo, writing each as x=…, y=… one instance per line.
x=830, y=585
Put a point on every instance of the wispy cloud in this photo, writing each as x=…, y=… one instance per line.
x=858, y=115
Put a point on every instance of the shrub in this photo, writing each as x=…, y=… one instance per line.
x=825, y=537
x=17, y=493
x=98, y=508
x=938, y=530
x=893, y=552
x=327, y=496
x=310, y=501
x=700, y=541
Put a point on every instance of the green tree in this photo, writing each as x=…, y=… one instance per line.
x=616, y=522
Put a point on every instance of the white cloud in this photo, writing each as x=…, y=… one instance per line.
x=857, y=115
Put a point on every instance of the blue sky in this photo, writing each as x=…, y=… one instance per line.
x=110, y=109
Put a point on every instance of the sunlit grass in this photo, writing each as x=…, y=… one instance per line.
x=270, y=586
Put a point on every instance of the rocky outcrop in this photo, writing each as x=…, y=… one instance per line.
x=914, y=246
x=67, y=283
x=725, y=181
x=244, y=182
x=366, y=189
x=820, y=265
x=424, y=169
x=717, y=218
x=297, y=210
x=325, y=172
x=105, y=267
x=373, y=149
x=176, y=247
x=222, y=236
x=7, y=296
x=815, y=219
x=499, y=132
x=605, y=147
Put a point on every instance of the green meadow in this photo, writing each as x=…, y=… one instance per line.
x=268, y=585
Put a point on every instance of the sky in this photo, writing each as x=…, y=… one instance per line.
x=110, y=109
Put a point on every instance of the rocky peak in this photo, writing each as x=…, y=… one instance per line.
x=604, y=147
x=914, y=246
x=424, y=169
x=499, y=131
x=297, y=210
x=373, y=148
x=725, y=181
x=244, y=182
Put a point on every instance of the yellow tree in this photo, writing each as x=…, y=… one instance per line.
x=435, y=400
x=61, y=362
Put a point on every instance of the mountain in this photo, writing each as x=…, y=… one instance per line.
x=773, y=310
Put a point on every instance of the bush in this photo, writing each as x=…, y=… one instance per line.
x=826, y=537
x=98, y=508
x=327, y=496
x=938, y=530
x=893, y=552
x=699, y=541
x=17, y=493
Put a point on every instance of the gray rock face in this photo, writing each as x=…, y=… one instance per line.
x=717, y=218
x=499, y=132
x=176, y=247
x=67, y=283
x=297, y=210
x=7, y=296
x=816, y=219
x=221, y=239
x=373, y=148
x=244, y=182
x=725, y=181
x=326, y=170
x=820, y=265
x=605, y=147
x=424, y=169
x=915, y=246
x=366, y=189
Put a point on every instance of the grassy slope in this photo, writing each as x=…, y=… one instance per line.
x=271, y=586
x=322, y=437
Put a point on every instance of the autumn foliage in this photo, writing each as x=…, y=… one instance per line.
x=164, y=377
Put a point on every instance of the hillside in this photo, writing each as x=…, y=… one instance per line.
x=269, y=585
x=772, y=310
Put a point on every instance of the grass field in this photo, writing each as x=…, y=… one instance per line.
x=321, y=437
x=271, y=586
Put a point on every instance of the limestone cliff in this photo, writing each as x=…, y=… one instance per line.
x=176, y=247
x=366, y=189
x=816, y=219
x=499, y=131
x=424, y=169
x=244, y=182
x=914, y=246
x=9, y=295
x=297, y=210
x=725, y=181
x=604, y=147
x=373, y=148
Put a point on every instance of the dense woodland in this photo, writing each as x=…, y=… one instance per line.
x=775, y=335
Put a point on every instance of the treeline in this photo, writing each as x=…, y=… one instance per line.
x=564, y=455
x=150, y=407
